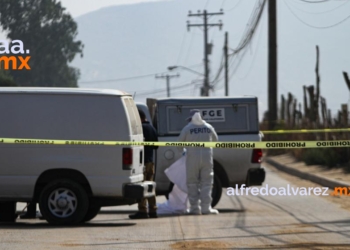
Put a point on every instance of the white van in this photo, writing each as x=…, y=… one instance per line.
x=70, y=182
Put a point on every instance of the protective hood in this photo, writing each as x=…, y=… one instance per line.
x=197, y=119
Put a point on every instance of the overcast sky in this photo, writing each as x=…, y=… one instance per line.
x=80, y=7
x=302, y=24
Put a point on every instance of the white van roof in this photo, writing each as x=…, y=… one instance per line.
x=39, y=90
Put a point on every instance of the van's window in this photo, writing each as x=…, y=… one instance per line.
x=136, y=127
x=64, y=117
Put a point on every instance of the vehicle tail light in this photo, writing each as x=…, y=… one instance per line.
x=257, y=155
x=127, y=158
x=141, y=157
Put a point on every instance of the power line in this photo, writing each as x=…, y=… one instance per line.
x=252, y=24
x=254, y=56
x=157, y=91
x=195, y=65
x=214, y=82
x=255, y=17
x=189, y=48
x=206, y=26
x=253, y=21
x=182, y=43
x=323, y=12
x=132, y=77
x=239, y=60
x=244, y=41
x=321, y=1
x=121, y=79
x=167, y=77
x=312, y=26
x=234, y=7
x=222, y=5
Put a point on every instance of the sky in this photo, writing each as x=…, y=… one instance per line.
x=79, y=7
x=302, y=24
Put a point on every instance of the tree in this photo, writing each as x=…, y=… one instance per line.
x=6, y=80
x=49, y=33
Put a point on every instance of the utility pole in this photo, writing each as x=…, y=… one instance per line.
x=167, y=77
x=207, y=47
x=226, y=63
x=272, y=63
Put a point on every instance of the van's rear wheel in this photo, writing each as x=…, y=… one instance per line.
x=216, y=192
x=63, y=202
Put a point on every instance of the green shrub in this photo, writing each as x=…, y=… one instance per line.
x=5, y=79
x=321, y=156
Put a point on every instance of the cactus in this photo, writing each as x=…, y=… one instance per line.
x=346, y=78
x=318, y=81
x=283, y=108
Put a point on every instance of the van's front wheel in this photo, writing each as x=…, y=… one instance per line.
x=63, y=202
x=92, y=212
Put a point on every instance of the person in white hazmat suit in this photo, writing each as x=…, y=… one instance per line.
x=199, y=164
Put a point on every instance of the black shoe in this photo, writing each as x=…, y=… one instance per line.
x=139, y=215
x=27, y=216
x=153, y=215
x=30, y=215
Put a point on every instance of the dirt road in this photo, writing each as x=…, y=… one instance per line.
x=244, y=222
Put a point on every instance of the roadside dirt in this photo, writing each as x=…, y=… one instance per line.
x=208, y=245
x=201, y=245
x=337, y=173
x=342, y=201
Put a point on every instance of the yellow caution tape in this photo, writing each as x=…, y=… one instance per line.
x=233, y=144
x=325, y=130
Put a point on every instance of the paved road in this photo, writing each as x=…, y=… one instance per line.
x=244, y=222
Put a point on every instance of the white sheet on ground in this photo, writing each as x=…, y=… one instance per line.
x=177, y=202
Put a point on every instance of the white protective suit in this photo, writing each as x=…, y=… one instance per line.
x=199, y=164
